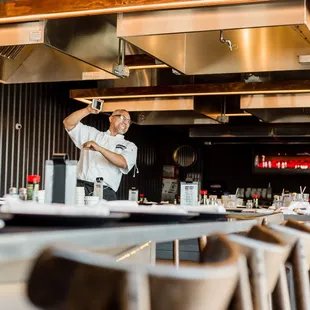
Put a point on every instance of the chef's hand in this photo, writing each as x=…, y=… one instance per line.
x=91, y=145
x=91, y=110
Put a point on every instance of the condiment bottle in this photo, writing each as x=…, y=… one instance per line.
x=33, y=182
x=205, y=197
x=141, y=200
x=255, y=201
x=98, y=187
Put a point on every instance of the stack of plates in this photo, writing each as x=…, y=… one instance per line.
x=31, y=207
x=79, y=196
x=41, y=195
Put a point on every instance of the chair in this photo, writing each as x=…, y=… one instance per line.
x=209, y=286
x=73, y=279
x=266, y=255
x=241, y=299
x=297, y=235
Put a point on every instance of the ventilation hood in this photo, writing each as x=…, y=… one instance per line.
x=83, y=48
x=257, y=37
x=152, y=109
x=279, y=108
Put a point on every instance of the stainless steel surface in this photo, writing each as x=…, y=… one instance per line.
x=18, y=250
x=279, y=101
x=281, y=108
x=266, y=37
x=166, y=111
x=70, y=184
x=275, y=13
x=137, y=78
x=83, y=48
x=254, y=131
x=173, y=118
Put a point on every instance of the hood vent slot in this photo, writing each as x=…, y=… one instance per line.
x=11, y=52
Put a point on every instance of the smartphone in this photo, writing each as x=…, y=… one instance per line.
x=97, y=104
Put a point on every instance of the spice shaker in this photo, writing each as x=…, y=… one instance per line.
x=23, y=193
x=13, y=192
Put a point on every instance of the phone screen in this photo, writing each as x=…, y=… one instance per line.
x=96, y=104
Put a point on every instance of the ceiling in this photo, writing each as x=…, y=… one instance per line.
x=231, y=62
x=239, y=64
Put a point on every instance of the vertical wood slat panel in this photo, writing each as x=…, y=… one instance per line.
x=40, y=111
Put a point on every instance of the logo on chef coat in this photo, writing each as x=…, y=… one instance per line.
x=119, y=148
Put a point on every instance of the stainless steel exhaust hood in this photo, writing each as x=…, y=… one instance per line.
x=83, y=48
x=258, y=37
x=280, y=108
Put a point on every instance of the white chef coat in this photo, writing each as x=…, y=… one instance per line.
x=93, y=164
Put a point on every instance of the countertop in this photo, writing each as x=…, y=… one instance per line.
x=19, y=246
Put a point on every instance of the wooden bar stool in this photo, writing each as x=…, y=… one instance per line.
x=209, y=286
x=72, y=279
x=298, y=236
x=241, y=299
x=266, y=255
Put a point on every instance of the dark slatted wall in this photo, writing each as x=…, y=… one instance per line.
x=31, y=130
x=40, y=110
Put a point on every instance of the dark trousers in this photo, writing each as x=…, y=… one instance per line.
x=108, y=193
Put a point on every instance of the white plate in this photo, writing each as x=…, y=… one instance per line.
x=29, y=207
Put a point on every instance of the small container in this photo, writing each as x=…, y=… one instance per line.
x=41, y=196
x=142, y=199
x=33, y=182
x=98, y=188
x=91, y=200
x=133, y=194
x=13, y=192
x=23, y=193
x=205, y=197
x=255, y=201
x=249, y=204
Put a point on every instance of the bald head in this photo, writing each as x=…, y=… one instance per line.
x=121, y=111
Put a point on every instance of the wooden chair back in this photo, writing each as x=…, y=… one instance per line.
x=74, y=279
x=266, y=256
x=297, y=235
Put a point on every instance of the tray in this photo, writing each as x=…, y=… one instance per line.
x=141, y=217
x=211, y=216
x=216, y=216
x=54, y=220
